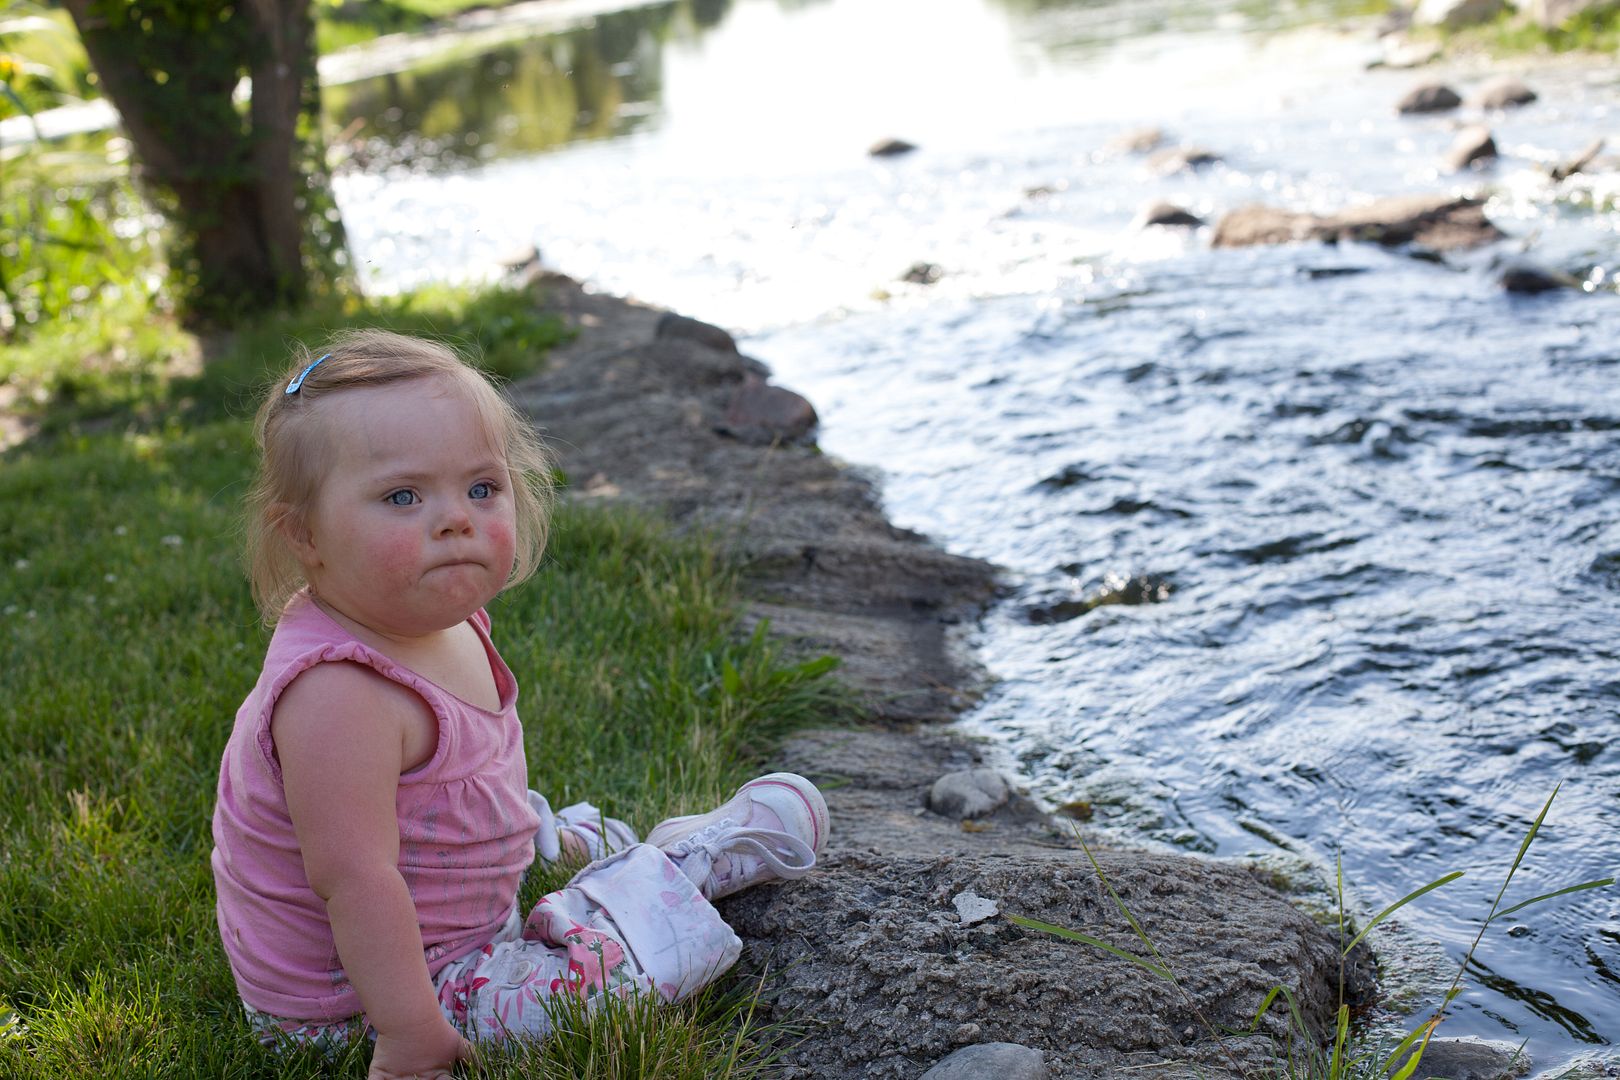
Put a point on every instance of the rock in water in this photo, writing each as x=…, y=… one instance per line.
x=890, y=148
x=990, y=1061
x=1472, y=1059
x=923, y=273
x=1428, y=98
x=1503, y=92
x=1438, y=222
x=1139, y=141
x=1580, y=161
x=1522, y=277
x=1474, y=146
x=1167, y=213
x=1179, y=158
x=971, y=793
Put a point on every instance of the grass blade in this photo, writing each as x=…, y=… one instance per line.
x=1397, y=905
x=1087, y=939
x=1598, y=884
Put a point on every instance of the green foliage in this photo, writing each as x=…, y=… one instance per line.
x=71, y=227
x=72, y=238
x=129, y=640
x=1596, y=30
x=42, y=64
x=1342, y=1057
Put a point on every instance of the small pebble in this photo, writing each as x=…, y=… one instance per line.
x=973, y=908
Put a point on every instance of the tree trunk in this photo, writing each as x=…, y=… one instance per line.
x=234, y=181
x=279, y=76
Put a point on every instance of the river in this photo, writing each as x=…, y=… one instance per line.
x=1368, y=502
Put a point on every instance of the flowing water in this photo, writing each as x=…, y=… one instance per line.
x=1362, y=507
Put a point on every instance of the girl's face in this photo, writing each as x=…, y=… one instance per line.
x=414, y=527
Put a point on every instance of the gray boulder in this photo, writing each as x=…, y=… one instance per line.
x=1473, y=146
x=673, y=327
x=972, y=793
x=871, y=947
x=990, y=1061
x=763, y=414
x=1471, y=1059
x=1428, y=98
x=1503, y=92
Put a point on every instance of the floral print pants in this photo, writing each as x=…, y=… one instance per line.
x=629, y=923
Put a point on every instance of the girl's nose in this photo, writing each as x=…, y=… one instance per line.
x=455, y=520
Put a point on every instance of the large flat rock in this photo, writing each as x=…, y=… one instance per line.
x=1435, y=222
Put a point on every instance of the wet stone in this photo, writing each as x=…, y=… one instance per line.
x=1181, y=158
x=1139, y=141
x=1428, y=98
x=1529, y=279
x=971, y=793
x=890, y=148
x=1579, y=162
x=1503, y=92
x=1167, y=213
x=991, y=1061
x=1474, y=146
x=923, y=273
x=1472, y=1059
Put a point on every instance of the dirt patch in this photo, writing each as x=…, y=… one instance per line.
x=874, y=955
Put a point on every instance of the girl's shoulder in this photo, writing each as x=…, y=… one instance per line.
x=343, y=699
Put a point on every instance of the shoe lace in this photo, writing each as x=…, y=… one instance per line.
x=729, y=838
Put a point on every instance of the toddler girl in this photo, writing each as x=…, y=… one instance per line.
x=373, y=819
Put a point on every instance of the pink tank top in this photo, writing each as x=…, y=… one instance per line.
x=466, y=829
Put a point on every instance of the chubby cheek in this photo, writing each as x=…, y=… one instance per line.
x=395, y=555
x=502, y=536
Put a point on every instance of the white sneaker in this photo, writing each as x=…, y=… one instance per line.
x=772, y=829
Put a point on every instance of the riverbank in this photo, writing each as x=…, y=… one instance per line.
x=884, y=957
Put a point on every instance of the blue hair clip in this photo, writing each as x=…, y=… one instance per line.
x=292, y=387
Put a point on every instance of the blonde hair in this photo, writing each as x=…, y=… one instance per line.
x=296, y=444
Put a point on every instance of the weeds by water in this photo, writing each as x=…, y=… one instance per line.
x=1343, y=1056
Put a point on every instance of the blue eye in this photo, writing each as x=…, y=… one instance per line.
x=482, y=490
x=402, y=497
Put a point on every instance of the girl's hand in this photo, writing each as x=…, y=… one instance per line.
x=426, y=1055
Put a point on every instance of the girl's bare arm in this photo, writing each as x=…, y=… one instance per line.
x=339, y=731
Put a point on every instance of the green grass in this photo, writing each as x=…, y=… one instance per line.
x=122, y=362
x=129, y=638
